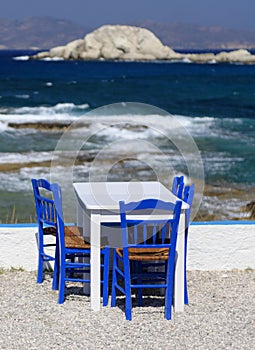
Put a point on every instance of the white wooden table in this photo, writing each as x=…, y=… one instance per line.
x=98, y=202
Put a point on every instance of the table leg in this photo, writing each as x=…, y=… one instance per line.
x=80, y=215
x=95, y=262
x=179, y=267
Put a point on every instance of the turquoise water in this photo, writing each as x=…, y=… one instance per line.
x=215, y=103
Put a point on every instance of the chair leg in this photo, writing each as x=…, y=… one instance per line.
x=128, y=303
x=168, y=303
x=61, y=295
x=114, y=280
x=186, y=296
x=40, y=260
x=127, y=291
x=55, y=281
x=40, y=269
x=169, y=294
x=106, y=276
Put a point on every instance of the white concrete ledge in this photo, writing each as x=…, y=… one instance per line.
x=211, y=246
x=221, y=246
x=18, y=247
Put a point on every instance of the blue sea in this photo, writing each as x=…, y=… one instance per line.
x=215, y=103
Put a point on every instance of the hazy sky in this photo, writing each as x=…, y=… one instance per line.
x=230, y=13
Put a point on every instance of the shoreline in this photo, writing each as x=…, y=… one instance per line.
x=216, y=198
x=219, y=203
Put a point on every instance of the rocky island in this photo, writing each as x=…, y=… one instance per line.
x=130, y=43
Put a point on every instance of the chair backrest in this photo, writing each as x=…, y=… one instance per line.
x=45, y=207
x=151, y=232
x=188, y=196
x=185, y=193
x=178, y=185
x=57, y=195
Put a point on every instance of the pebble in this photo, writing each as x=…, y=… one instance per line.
x=220, y=315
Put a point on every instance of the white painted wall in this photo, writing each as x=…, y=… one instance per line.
x=18, y=248
x=210, y=247
x=221, y=247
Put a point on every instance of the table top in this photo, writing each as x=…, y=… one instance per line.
x=106, y=195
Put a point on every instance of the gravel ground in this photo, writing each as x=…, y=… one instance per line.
x=221, y=315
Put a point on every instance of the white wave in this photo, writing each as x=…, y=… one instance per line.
x=196, y=125
x=48, y=59
x=60, y=113
x=12, y=182
x=29, y=157
x=206, y=126
x=69, y=107
x=24, y=96
x=32, y=118
x=4, y=127
x=50, y=110
x=186, y=60
x=114, y=126
x=118, y=132
x=21, y=58
x=130, y=127
x=20, y=180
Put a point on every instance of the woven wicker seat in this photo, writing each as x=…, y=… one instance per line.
x=49, y=231
x=73, y=237
x=148, y=254
x=75, y=241
x=69, y=230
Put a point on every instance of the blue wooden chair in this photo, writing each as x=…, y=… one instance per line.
x=46, y=225
x=75, y=246
x=145, y=243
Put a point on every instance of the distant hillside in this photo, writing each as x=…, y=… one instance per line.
x=46, y=32
x=38, y=33
x=191, y=36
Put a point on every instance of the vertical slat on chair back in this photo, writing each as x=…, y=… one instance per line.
x=57, y=195
x=146, y=232
x=44, y=205
x=47, y=211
